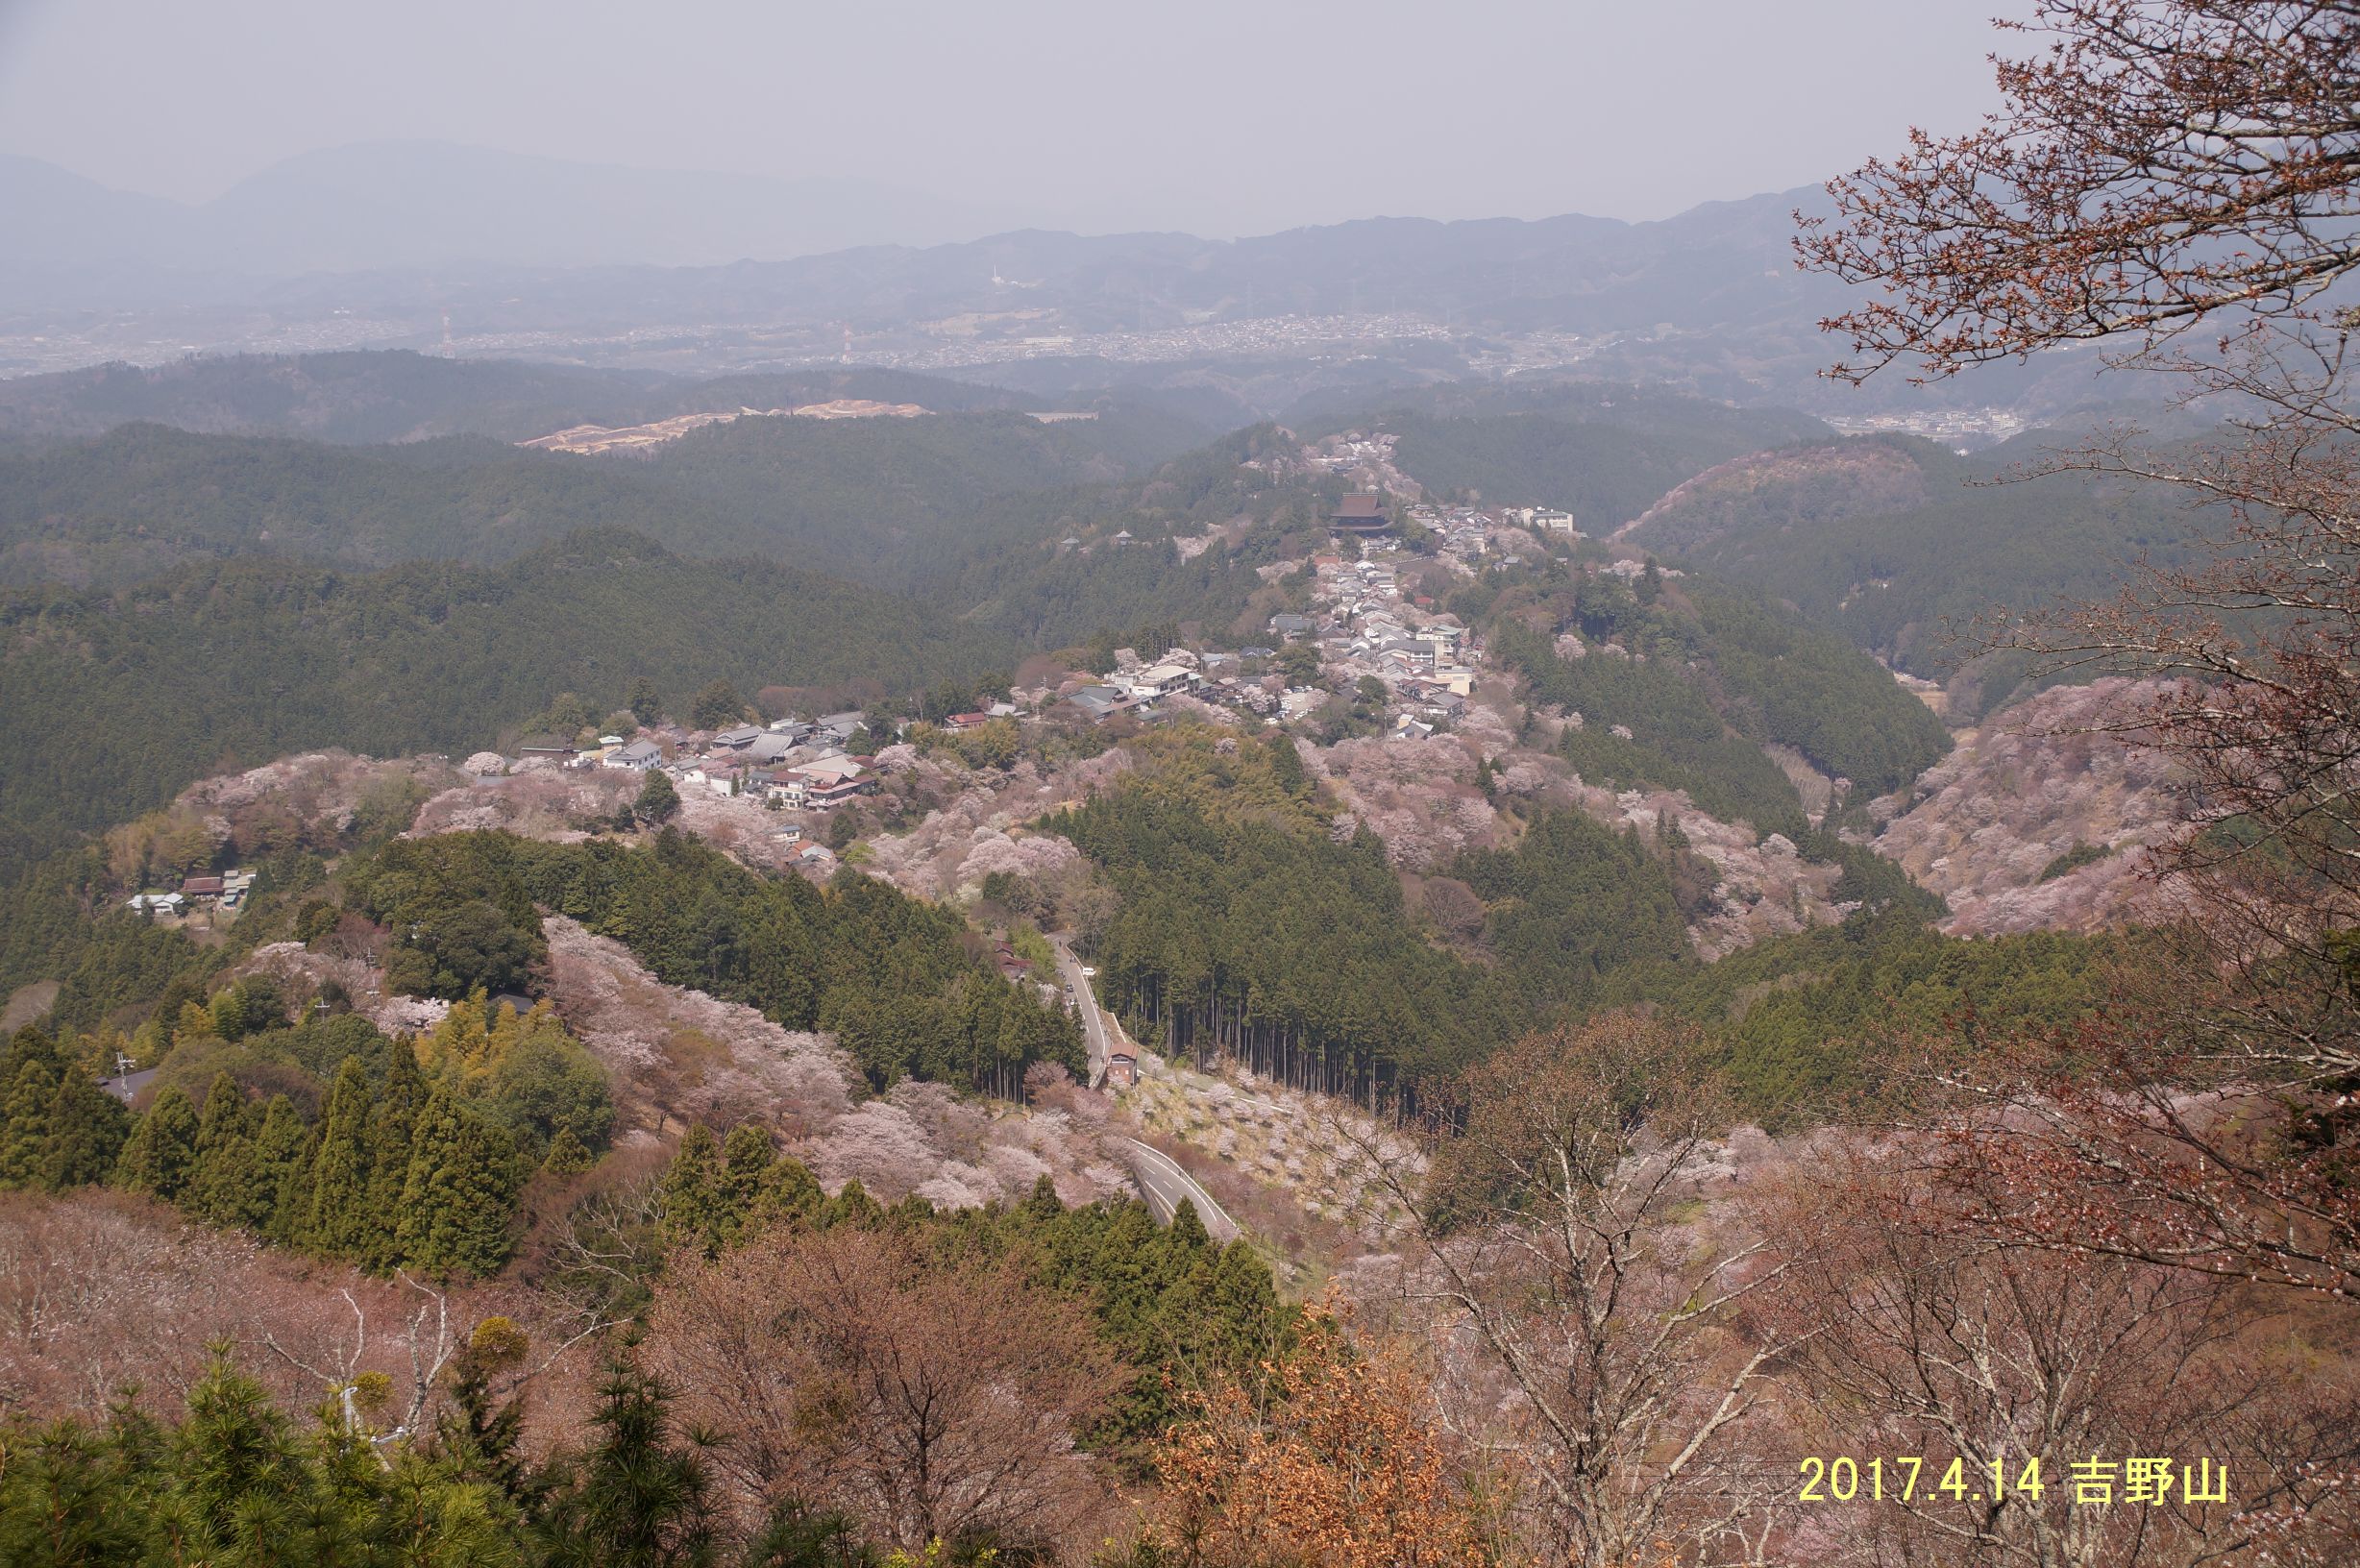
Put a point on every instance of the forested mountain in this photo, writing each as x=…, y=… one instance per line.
x=882, y=501
x=126, y=694
x=144, y=499
x=1679, y=682
x=397, y=395
x=1895, y=543
x=891, y=502
x=1601, y=451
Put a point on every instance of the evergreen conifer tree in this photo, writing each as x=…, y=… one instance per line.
x=636, y=1499
x=221, y=1182
x=338, y=1221
x=851, y=1206
x=480, y=1436
x=161, y=1153
x=30, y=1073
x=291, y=1210
x=86, y=1130
x=393, y=1124
x=747, y=1157
x=1042, y=1205
x=1186, y=1236
x=457, y=1202
x=693, y=1216
x=658, y=801
x=277, y=1157
x=567, y=1155
x=61, y=1501
x=236, y=1472
x=788, y=1193
x=1244, y=1305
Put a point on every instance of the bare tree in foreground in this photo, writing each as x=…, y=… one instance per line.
x=1593, y=1304
x=928, y=1398
x=1921, y=1341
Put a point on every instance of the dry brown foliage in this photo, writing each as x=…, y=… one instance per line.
x=1338, y=1462
x=856, y=1370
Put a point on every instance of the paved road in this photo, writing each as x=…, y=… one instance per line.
x=1166, y=1184
x=1161, y=1180
x=1094, y=1026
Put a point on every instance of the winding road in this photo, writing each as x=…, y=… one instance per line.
x=1161, y=1180
x=1165, y=1184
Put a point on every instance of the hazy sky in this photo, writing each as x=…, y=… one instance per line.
x=1214, y=115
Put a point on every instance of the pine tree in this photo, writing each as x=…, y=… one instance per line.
x=336, y=1218
x=61, y=1501
x=460, y=1196
x=161, y=1153
x=233, y=1444
x=635, y=1499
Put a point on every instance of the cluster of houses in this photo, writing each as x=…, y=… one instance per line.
x=798, y=762
x=1360, y=626
x=229, y=892
x=1464, y=536
x=1134, y=687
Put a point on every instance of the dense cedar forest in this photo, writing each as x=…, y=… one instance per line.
x=872, y=499
x=875, y=501
x=1246, y=928
x=1700, y=677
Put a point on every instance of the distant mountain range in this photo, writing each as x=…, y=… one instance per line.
x=425, y=245
x=848, y=248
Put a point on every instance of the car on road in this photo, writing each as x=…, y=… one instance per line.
x=1090, y=972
